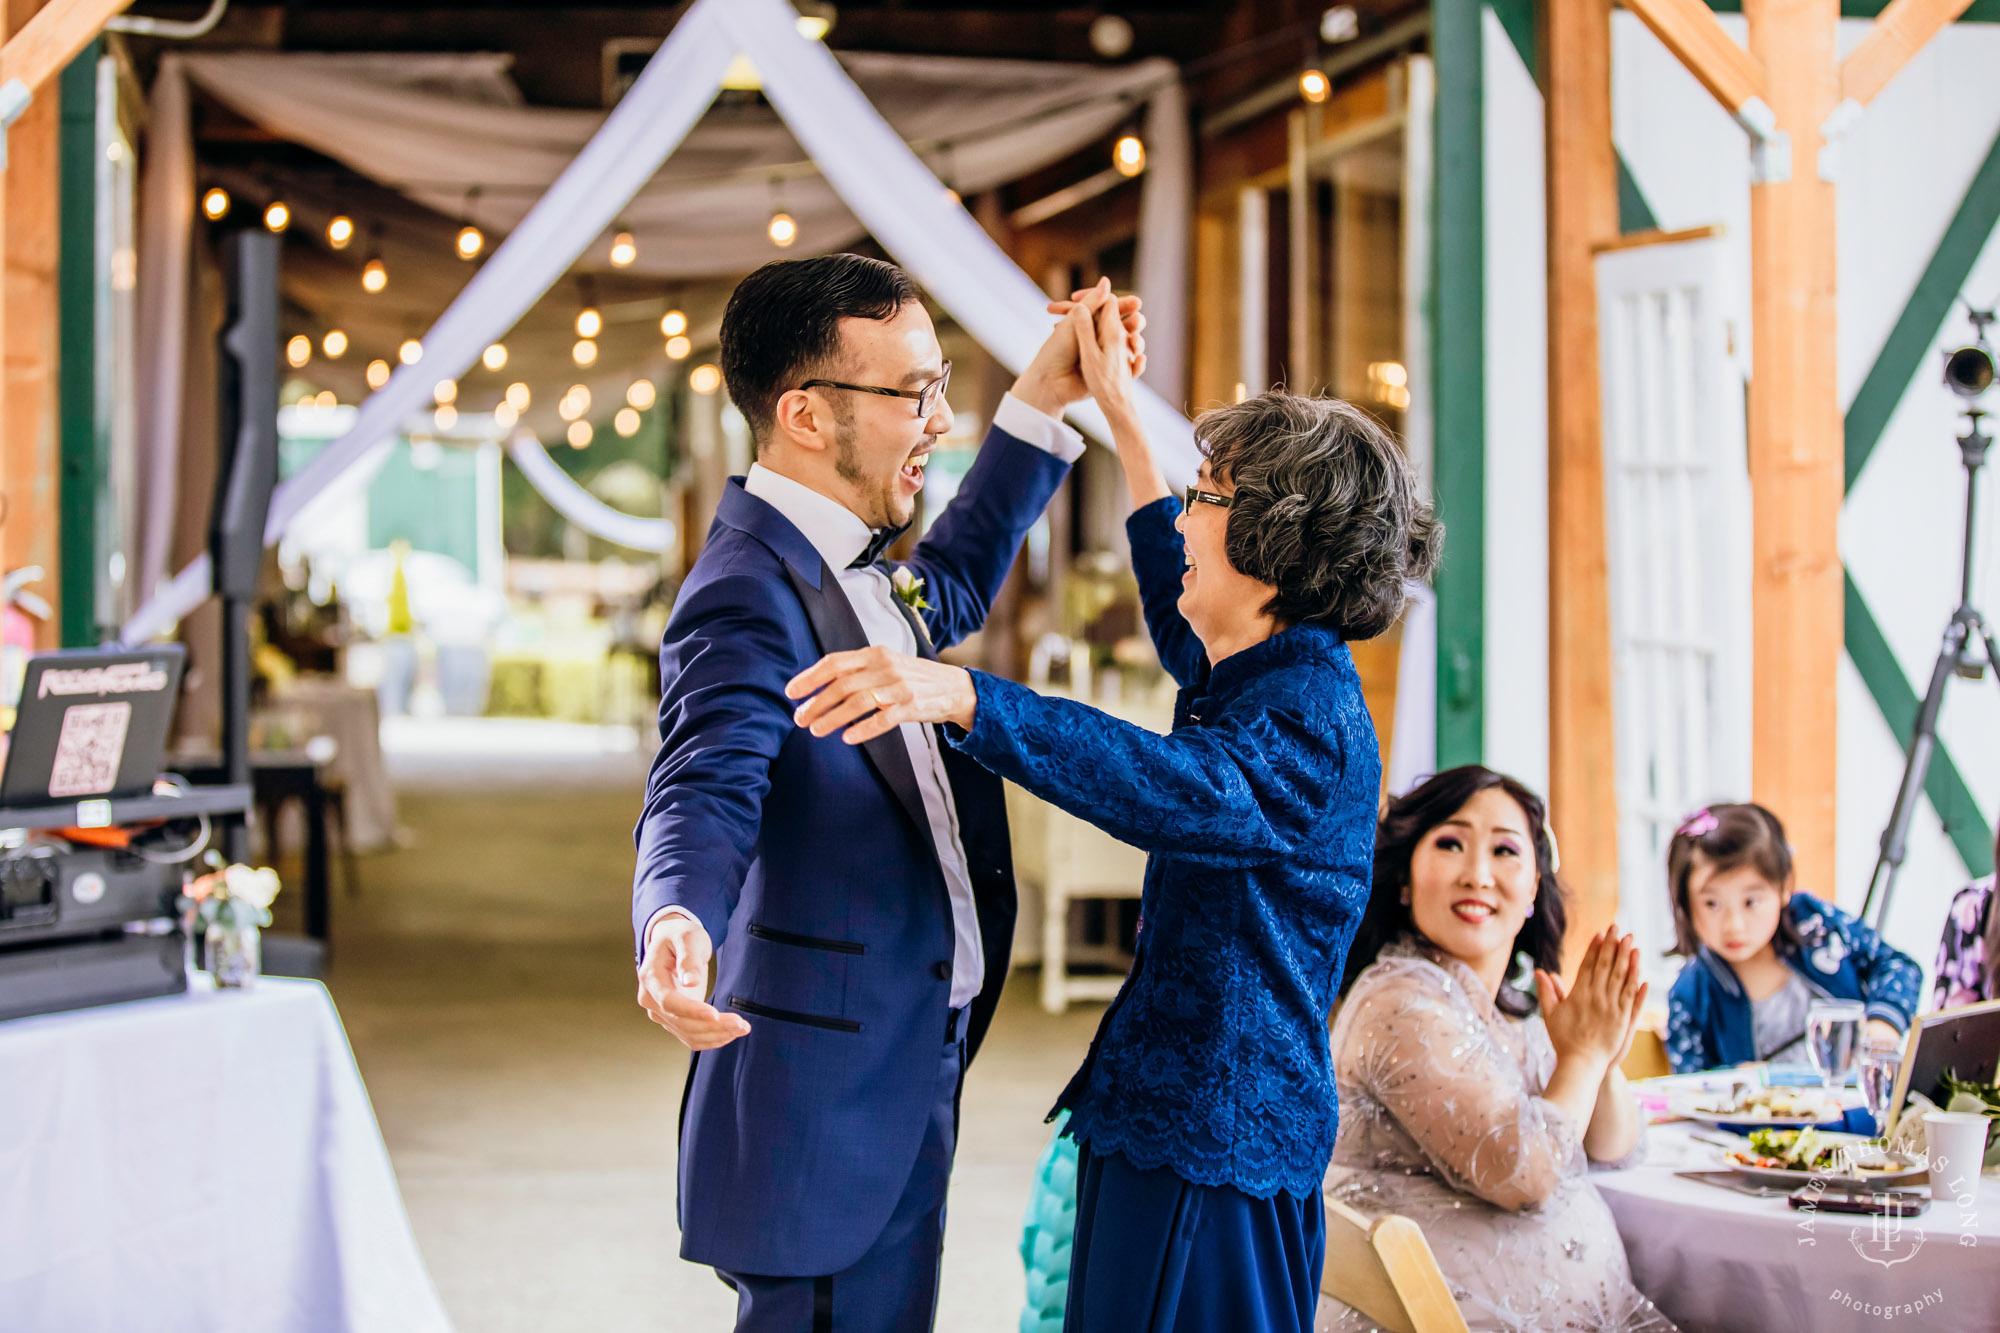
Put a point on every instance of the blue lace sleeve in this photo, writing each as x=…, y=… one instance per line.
x=1687, y=1045
x=1236, y=791
x=1158, y=557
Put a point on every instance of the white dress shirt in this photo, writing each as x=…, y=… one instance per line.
x=839, y=535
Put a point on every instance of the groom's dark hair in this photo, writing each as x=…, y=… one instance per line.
x=782, y=324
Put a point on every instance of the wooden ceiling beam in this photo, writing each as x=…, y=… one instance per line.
x=50, y=40
x=1689, y=29
x=1899, y=32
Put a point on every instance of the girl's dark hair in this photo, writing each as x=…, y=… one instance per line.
x=1725, y=837
x=1327, y=510
x=782, y=325
x=1405, y=823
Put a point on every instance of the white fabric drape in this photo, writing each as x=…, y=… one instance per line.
x=892, y=193
x=1166, y=222
x=166, y=231
x=568, y=498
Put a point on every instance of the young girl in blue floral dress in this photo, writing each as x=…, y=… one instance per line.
x=1759, y=952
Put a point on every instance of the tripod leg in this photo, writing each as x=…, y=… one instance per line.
x=1916, y=763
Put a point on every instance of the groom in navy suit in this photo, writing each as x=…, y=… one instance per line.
x=858, y=900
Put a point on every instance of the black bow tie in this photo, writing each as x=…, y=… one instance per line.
x=881, y=540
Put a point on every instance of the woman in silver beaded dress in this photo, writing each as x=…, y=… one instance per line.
x=1468, y=1105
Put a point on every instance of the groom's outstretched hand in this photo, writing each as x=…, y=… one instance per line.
x=674, y=977
x=1054, y=379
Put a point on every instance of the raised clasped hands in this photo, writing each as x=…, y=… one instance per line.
x=869, y=692
x=673, y=979
x=1054, y=379
x=1595, y=1016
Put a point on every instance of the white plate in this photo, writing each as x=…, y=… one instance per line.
x=1687, y=1110
x=1767, y=1175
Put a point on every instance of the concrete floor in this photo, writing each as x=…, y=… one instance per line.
x=484, y=975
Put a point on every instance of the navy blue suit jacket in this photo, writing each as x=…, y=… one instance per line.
x=811, y=865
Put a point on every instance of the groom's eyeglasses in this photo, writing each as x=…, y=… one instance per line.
x=1196, y=495
x=927, y=397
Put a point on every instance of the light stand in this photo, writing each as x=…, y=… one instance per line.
x=1969, y=645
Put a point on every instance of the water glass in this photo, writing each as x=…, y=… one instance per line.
x=1833, y=1039
x=1881, y=1061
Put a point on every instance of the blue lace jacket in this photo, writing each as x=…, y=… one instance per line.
x=1708, y=1012
x=1259, y=814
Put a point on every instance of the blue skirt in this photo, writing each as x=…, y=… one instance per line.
x=1156, y=1254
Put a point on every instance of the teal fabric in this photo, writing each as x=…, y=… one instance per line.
x=1046, y=1233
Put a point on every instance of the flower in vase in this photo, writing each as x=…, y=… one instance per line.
x=257, y=887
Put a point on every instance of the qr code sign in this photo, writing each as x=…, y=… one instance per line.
x=89, y=749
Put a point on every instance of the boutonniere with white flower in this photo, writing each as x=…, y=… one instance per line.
x=909, y=589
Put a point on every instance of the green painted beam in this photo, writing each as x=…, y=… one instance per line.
x=1949, y=795
x=1634, y=213
x=79, y=446
x=1913, y=339
x=1980, y=11
x=1458, y=361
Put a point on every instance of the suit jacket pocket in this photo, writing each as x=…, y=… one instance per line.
x=776, y=936
x=749, y=1006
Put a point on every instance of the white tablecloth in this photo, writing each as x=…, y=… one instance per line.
x=1716, y=1262
x=206, y=1163
x=350, y=716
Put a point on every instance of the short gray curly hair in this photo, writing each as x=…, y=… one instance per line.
x=1327, y=510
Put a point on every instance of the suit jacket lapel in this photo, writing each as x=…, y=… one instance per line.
x=838, y=630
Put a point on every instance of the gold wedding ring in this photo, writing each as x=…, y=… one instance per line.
x=876, y=695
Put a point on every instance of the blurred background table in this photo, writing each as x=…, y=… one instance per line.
x=1716, y=1261
x=200, y=1162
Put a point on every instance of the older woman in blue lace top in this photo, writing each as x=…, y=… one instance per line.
x=1205, y=1111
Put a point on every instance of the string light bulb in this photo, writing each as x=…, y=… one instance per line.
x=1314, y=86
x=518, y=396
x=378, y=373
x=584, y=353
x=505, y=416
x=374, y=276
x=471, y=241
x=1128, y=155
x=277, y=216
x=626, y=423
x=445, y=393
x=494, y=357
x=674, y=323
x=339, y=231
x=623, y=249
x=705, y=379
x=299, y=350
x=215, y=203
x=678, y=347
x=334, y=344
x=326, y=398
x=782, y=231
x=589, y=323
x=446, y=416
x=641, y=395
x=579, y=434
x=410, y=352
x=574, y=403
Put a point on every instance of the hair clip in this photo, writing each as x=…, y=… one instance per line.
x=1555, y=853
x=1699, y=824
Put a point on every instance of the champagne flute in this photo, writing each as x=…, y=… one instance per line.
x=1833, y=1039
x=1881, y=1061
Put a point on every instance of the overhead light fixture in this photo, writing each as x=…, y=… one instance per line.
x=445, y=392
x=815, y=19
x=215, y=203
x=326, y=398
x=1339, y=24
x=705, y=379
x=494, y=357
x=446, y=416
x=374, y=277
x=471, y=241
x=579, y=434
x=626, y=423
x=678, y=347
x=378, y=373
x=410, y=352
x=277, y=216
x=584, y=353
x=339, y=231
x=623, y=249
x=783, y=231
x=641, y=395
x=674, y=323
x=504, y=415
x=741, y=76
x=1314, y=86
x=518, y=396
x=1128, y=155
x=1110, y=36
x=299, y=350
x=334, y=344
x=574, y=403
x=589, y=323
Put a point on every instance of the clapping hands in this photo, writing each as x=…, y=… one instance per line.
x=1594, y=1017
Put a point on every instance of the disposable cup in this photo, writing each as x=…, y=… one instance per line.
x=1956, y=1144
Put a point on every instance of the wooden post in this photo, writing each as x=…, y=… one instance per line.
x=30, y=458
x=1582, y=216
x=1796, y=464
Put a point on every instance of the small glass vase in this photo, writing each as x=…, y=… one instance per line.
x=235, y=955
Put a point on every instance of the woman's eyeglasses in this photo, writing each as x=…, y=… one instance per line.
x=927, y=397
x=1196, y=495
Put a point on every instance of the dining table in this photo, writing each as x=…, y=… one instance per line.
x=1716, y=1260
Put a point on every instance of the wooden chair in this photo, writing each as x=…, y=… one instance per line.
x=1385, y=1269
